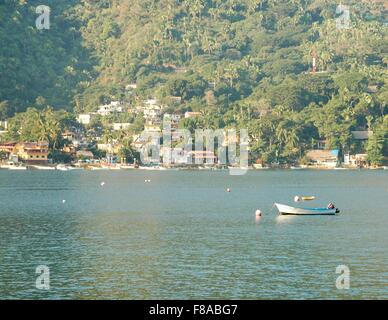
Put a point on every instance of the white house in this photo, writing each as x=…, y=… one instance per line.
x=151, y=102
x=84, y=118
x=152, y=112
x=107, y=109
x=173, y=117
x=357, y=160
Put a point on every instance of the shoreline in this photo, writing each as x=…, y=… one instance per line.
x=65, y=167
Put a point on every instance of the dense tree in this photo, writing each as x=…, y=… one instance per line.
x=241, y=63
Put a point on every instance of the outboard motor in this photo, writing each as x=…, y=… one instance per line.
x=330, y=206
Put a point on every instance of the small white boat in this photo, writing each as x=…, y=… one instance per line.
x=17, y=168
x=259, y=167
x=62, y=167
x=287, y=210
x=127, y=166
x=152, y=168
x=43, y=167
x=13, y=166
x=93, y=168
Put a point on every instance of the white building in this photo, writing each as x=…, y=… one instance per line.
x=107, y=109
x=175, y=155
x=357, y=160
x=151, y=102
x=84, y=118
x=152, y=112
x=174, y=118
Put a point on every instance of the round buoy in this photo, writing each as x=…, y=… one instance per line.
x=228, y=190
x=63, y=201
x=297, y=199
x=258, y=213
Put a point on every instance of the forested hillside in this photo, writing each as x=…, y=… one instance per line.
x=40, y=67
x=245, y=63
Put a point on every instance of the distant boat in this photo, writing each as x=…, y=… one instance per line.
x=62, y=167
x=94, y=168
x=385, y=168
x=308, y=198
x=151, y=168
x=13, y=166
x=17, y=168
x=43, y=167
x=259, y=167
x=287, y=210
x=127, y=166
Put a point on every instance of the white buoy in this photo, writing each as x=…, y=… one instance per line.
x=228, y=190
x=297, y=199
x=102, y=184
x=258, y=213
x=63, y=201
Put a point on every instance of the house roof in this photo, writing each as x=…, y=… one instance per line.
x=322, y=155
x=362, y=135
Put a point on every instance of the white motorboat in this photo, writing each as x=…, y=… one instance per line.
x=43, y=167
x=17, y=168
x=287, y=210
x=62, y=167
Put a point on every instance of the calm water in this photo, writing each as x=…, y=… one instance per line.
x=181, y=236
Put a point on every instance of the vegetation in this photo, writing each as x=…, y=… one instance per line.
x=241, y=63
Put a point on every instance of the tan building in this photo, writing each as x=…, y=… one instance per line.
x=32, y=152
x=7, y=147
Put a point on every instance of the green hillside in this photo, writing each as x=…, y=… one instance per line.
x=241, y=63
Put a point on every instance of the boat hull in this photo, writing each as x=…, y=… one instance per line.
x=287, y=210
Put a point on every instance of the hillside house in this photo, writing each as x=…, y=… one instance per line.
x=107, y=109
x=323, y=158
x=84, y=119
x=356, y=160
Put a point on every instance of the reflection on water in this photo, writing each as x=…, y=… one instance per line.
x=183, y=236
x=286, y=218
